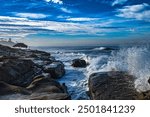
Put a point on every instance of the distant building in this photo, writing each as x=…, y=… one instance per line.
x=7, y=42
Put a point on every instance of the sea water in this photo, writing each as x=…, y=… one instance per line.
x=132, y=59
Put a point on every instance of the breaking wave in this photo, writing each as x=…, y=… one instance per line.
x=134, y=60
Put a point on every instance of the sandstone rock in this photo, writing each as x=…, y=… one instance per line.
x=43, y=88
x=79, y=63
x=45, y=85
x=112, y=86
x=144, y=95
x=56, y=69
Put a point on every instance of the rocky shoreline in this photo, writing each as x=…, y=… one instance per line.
x=32, y=75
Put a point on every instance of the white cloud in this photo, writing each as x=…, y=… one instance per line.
x=31, y=15
x=65, y=10
x=119, y=2
x=22, y=27
x=82, y=19
x=138, y=12
x=55, y=1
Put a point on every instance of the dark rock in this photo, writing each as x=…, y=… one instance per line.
x=20, y=79
x=22, y=45
x=41, y=54
x=43, y=88
x=79, y=63
x=144, y=95
x=53, y=96
x=17, y=72
x=32, y=56
x=149, y=80
x=3, y=58
x=108, y=49
x=112, y=86
x=42, y=84
x=55, y=69
x=65, y=88
x=6, y=89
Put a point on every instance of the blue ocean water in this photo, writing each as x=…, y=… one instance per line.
x=132, y=59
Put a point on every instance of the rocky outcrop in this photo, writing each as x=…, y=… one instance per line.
x=41, y=88
x=112, y=86
x=55, y=69
x=21, y=75
x=79, y=63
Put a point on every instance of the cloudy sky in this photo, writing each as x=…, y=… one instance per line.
x=75, y=22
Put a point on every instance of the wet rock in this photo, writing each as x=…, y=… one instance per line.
x=17, y=72
x=65, y=88
x=79, y=63
x=108, y=49
x=55, y=69
x=29, y=74
x=112, y=86
x=6, y=89
x=144, y=95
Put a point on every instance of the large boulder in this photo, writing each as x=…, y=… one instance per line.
x=17, y=71
x=55, y=69
x=79, y=63
x=112, y=86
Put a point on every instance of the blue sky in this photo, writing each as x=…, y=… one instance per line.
x=75, y=22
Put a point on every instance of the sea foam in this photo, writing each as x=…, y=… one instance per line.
x=134, y=60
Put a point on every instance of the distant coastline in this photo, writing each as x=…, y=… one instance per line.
x=7, y=42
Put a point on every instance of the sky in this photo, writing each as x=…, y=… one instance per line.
x=75, y=22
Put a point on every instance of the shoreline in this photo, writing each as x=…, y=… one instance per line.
x=31, y=71
x=33, y=74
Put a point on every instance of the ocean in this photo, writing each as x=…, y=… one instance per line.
x=132, y=59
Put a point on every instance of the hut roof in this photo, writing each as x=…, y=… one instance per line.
x=22, y=45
